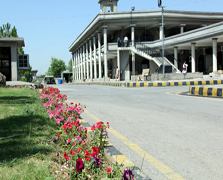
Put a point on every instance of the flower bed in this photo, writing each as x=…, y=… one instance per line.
x=83, y=158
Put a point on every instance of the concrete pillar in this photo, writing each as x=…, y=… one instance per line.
x=133, y=45
x=76, y=66
x=87, y=64
x=214, y=46
x=14, y=63
x=105, y=53
x=193, y=57
x=81, y=63
x=182, y=28
x=118, y=63
x=176, y=56
x=99, y=53
x=91, y=73
x=95, y=63
x=79, y=66
x=84, y=63
x=73, y=69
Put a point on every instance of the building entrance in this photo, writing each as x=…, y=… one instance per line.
x=5, y=62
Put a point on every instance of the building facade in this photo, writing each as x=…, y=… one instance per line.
x=194, y=37
x=10, y=61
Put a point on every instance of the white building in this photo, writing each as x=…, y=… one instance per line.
x=194, y=37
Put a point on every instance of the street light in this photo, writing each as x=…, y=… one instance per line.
x=160, y=6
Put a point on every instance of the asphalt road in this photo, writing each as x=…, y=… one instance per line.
x=181, y=136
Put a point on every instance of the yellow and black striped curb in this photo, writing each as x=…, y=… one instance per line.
x=152, y=84
x=116, y=156
x=38, y=86
x=206, y=91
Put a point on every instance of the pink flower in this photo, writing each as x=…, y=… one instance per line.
x=79, y=138
x=62, y=118
x=58, y=121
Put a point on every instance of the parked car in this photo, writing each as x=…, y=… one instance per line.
x=49, y=80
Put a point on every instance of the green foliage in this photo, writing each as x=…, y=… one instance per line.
x=71, y=78
x=27, y=75
x=6, y=32
x=69, y=67
x=57, y=66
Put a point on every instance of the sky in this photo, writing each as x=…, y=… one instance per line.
x=49, y=27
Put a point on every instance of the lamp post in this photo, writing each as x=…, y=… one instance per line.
x=160, y=6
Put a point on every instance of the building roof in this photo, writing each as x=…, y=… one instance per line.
x=18, y=40
x=122, y=20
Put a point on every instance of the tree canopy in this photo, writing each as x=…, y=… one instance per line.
x=6, y=31
x=69, y=67
x=57, y=66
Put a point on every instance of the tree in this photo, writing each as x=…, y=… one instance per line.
x=57, y=66
x=6, y=32
x=69, y=67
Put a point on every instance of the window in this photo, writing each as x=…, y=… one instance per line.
x=23, y=61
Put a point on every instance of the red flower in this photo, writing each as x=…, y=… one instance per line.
x=66, y=156
x=79, y=165
x=72, y=152
x=94, y=151
x=108, y=124
x=86, y=155
x=109, y=170
x=93, y=127
x=100, y=125
x=58, y=134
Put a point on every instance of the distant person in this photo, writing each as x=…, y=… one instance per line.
x=185, y=65
x=117, y=74
x=119, y=42
x=126, y=41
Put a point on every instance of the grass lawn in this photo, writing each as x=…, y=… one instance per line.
x=26, y=151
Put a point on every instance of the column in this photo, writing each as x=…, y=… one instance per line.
x=133, y=45
x=76, y=67
x=79, y=66
x=193, y=57
x=214, y=46
x=176, y=57
x=118, y=63
x=95, y=64
x=99, y=53
x=84, y=63
x=91, y=73
x=81, y=63
x=105, y=53
x=87, y=60
x=73, y=70
x=182, y=28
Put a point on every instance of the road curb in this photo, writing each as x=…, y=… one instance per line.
x=206, y=91
x=152, y=84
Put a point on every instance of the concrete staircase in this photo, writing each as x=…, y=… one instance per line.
x=157, y=60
